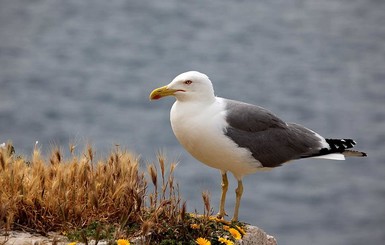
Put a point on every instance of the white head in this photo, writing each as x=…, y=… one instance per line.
x=188, y=86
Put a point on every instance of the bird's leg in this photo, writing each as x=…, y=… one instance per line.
x=225, y=185
x=238, y=193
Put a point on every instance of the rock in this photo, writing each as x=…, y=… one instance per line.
x=256, y=236
x=23, y=238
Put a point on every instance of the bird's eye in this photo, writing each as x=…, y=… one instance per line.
x=188, y=82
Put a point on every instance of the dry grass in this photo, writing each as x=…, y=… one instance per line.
x=109, y=198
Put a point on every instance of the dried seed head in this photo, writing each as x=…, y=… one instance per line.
x=55, y=157
x=90, y=153
x=161, y=163
x=58, y=155
x=10, y=149
x=153, y=175
x=72, y=148
x=172, y=167
x=183, y=211
x=171, y=183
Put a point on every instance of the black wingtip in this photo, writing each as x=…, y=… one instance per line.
x=342, y=146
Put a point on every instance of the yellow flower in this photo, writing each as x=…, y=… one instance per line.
x=123, y=242
x=215, y=218
x=226, y=227
x=225, y=241
x=241, y=230
x=219, y=220
x=72, y=243
x=202, y=241
x=195, y=226
x=235, y=233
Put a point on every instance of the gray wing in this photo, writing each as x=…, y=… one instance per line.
x=270, y=140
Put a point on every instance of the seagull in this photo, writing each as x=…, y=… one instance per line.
x=238, y=137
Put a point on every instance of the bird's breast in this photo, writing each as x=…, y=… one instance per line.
x=194, y=128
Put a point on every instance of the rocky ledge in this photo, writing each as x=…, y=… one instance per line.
x=254, y=236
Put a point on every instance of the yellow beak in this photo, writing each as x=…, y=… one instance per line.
x=162, y=92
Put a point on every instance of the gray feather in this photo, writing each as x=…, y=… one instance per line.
x=270, y=140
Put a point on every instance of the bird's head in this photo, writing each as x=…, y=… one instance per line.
x=188, y=86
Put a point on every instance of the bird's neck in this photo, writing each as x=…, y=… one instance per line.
x=189, y=108
x=192, y=105
x=195, y=99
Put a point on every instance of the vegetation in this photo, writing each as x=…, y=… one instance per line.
x=109, y=199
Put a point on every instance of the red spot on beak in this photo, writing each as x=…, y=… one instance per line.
x=156, y=97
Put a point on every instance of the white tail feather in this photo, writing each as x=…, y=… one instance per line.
x=332, y=156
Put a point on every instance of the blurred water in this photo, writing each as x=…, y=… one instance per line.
x=82, y=71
